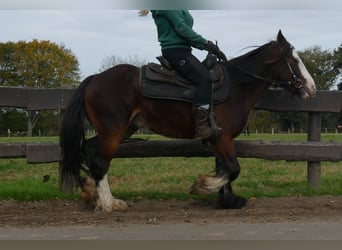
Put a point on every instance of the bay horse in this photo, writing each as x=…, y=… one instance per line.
x=113, y=104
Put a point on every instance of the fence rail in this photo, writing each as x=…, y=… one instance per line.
x=270, y=150
x=312, y=151
x=274, y=100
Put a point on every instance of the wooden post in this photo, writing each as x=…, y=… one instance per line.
x=61, y=116
x=314, y=135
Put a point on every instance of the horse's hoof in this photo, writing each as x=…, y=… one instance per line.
x=88, y=188
x=87, y=197
x=119, y=205
x=114, y=205
x=239, y=202
x=232, y=202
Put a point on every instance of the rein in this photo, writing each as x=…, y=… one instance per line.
x=296, y=82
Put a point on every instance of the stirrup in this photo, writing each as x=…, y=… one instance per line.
x=213, y=124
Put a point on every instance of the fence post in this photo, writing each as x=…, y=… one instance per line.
x=314, y=134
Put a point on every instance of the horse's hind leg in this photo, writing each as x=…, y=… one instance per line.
x=95, y=187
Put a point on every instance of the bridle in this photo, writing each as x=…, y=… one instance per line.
x=296, y=82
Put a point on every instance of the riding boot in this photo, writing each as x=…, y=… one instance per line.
x=202, y=126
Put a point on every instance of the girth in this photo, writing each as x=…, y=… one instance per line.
x=161, y=82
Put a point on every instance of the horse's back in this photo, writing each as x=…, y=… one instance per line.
x=118, y=80
x=113, y=93
x=118, y=73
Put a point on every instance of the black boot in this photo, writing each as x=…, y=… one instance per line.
x=202, y=126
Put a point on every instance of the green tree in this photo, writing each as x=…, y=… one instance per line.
x=37, y=64
x=338, y=64
x=263, y=121
x=322, y=66
x=293, y=121
x=48, y=123
x=339, y=87
x=12, y=119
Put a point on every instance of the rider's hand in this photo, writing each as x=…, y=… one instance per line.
x=212, y=47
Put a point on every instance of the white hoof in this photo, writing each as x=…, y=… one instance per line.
x=105, y=200
x=114, y=205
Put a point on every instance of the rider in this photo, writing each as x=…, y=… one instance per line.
x=177, y=38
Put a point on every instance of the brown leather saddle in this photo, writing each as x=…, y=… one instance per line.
x=161, y=81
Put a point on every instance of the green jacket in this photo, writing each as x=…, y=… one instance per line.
x=175, y=29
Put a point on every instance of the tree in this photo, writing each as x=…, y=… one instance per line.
x=113, y=60
x=292, y=121
x=11, y=119
x=263, y=121
x=322, y=66
x=37, y=64
x=338, y=64
x=339, y=87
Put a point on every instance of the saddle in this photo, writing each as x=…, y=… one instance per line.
x=161, y=81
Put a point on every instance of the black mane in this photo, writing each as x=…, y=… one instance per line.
x=258, y=50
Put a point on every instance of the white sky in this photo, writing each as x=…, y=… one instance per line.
x=94, y=34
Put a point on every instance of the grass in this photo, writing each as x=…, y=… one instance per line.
x=21, y=181
x=171, y=178
x=271, y=137
x=28, y=139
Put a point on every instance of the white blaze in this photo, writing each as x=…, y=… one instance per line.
x=309, y=82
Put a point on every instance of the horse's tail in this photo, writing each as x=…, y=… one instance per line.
x=71, y=138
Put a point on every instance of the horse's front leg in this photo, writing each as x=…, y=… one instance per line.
x=227, y=170
x=227, y=199
x=105, y=200
x=99, y=192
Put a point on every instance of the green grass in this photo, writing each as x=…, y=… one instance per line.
x=290, y=137
x=274, y=137
x=21, y=181
x=171, y=178
x=28, y=139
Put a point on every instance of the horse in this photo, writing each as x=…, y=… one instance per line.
x=113, y=104
x=339, y=128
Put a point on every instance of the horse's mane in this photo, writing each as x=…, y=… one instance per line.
x=251, y=53
x=250, y=62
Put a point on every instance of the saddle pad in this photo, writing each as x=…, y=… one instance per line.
x=170, y=86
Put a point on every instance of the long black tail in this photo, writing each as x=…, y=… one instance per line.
x=71, y=138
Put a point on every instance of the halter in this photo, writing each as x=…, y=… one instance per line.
x=295, y=82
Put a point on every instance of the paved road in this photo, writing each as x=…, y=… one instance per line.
x=330, y=230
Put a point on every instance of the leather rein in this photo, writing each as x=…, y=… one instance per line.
x=295, y=82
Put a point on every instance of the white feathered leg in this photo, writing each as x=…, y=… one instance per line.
x=105, y=200
x=206, y=184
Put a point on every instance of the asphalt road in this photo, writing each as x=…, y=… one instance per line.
x=317, y=230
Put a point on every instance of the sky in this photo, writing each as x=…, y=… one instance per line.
x=95, y=32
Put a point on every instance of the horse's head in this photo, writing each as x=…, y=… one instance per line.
x=292, y=73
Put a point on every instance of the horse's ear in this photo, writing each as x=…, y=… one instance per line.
x=280, y=38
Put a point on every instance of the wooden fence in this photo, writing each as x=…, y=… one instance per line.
x=313, y=151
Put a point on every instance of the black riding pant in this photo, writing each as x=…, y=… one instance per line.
x=186, y=64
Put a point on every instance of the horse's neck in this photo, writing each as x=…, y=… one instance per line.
x=254, y=92
x=252, y=88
